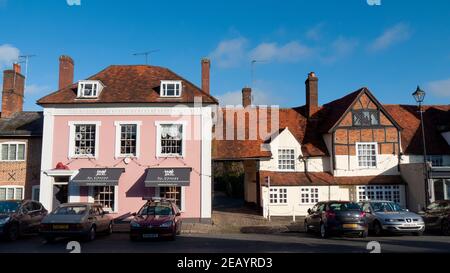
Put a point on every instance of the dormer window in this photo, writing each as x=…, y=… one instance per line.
x=171, y=89
x=89, y=89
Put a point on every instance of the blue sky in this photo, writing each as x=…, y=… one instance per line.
x=389, y=48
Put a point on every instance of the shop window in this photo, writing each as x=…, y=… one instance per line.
x=286, y=159
x=105, y=195
x=309, y=195
x=385, y=193
x=171, y=193
x=278, y=195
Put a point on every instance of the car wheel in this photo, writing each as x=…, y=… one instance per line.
x=13, y=233
x=91, y=234
x=323, y=231
x=377, y=229
x=109, y=231
x=445, y=228
x=173, y=237
x=306, y=227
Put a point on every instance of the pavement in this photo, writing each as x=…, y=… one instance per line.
x=237, y=243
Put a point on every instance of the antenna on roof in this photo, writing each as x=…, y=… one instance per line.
x=146, y=54
x=252, y=70
x=25, y=59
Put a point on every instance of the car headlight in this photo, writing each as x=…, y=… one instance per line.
x=4, y=220
x=135, y=224
x=166, y=224
x=389, y=220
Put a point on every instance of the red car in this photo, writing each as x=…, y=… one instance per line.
x=158, y=218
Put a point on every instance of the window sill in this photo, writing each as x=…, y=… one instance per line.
x=170, y=156
x=12, y=161
x=82, y=157
x=279, y=205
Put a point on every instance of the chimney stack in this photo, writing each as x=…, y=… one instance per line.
x=206, y=64
x=13, y=91
x=246, y=96
x=66, y=67
x=312, y=94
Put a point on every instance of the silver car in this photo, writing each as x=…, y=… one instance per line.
x=76, y=220
x=388, y=216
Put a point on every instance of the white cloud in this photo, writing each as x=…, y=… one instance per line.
x=8, y=55
x=340, y=48
x=290, y=52
x=440, y=88
x=315, y=33
x=391, y=36
x=36, y=89
x=229, y=53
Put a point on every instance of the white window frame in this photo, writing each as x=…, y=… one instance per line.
x=15, y=187
x=309, y=191
x=373, y=189
x=91, y=199
x=72, y=124
x=295, y=159
x=80, y=91
x=118, y=125
x=183, y=193
x=278, y=198
x=17, y=151
x=33, y=197
x=357, y=154
x=158, y=138
x=163, y=90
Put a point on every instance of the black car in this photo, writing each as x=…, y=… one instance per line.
x=20, y=217
x=335, y=217
x=437, y=216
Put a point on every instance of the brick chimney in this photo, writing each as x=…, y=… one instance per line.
x=206, y=64
x=312, y=94
x=13, y=91
x=246, y=96
x=66, y=67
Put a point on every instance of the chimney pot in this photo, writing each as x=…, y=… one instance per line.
x=16, y=67
x=312, y=94
x=246, y=96
x=206, y=66
x=66, y=69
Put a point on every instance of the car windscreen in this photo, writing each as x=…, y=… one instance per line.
x=344, y=206
x=9, y=207
x=386, y=207
x=71, y=210
x=156, y=210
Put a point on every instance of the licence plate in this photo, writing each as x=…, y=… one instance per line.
x=151, y=235
x=60, y=227
x=410, y=225
x=351, y=226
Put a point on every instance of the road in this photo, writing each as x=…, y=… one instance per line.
x=235, y=243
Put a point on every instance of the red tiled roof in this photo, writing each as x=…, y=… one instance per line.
x=130, y=84
x=293, y=119
x=325, y=179
x=408, y=117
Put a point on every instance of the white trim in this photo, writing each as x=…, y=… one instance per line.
x=311, y=200
x=46, y=192
x=99, y=87
x=14, y=187
x=125, y=110
x=277, y=189
x=33, y=197
x=205, y=177
x=295, y=158
x=165, y=82
x=118, y=125
x=357, y=155
x=71, y=153
x=158, y=138
x=17, y=151
x=59, y=172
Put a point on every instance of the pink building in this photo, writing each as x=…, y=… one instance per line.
x=126, y=134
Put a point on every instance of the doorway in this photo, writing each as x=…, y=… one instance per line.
x=60, y=190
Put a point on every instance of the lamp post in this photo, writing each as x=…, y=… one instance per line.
x=419, y=96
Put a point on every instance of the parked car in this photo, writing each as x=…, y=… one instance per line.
x=20, y=217
x=437, y=216
x=157, y=218
x=336, y=217
x=76, y=220
x=387, y=216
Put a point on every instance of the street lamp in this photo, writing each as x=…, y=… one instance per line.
x=419, y=96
